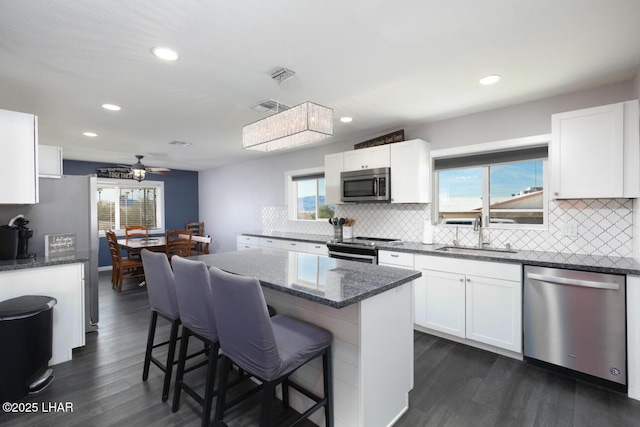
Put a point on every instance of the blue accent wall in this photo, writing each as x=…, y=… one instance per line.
x=180, y=198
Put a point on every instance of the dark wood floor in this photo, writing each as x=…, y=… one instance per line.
x=455, y=385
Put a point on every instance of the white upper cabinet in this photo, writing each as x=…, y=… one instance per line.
x=49, y=161
x=595, y=152
x=410, y=172
x=332, y=168
x=19, y=159
x=367, y=158
x=410, y=169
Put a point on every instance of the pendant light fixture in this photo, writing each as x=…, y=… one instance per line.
x=138, y=170
x=302, y=124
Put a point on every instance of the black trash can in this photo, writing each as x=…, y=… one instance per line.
x=26, y=328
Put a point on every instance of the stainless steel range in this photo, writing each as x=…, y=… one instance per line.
x=361, y=249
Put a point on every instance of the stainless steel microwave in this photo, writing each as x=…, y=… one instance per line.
x=366, y=185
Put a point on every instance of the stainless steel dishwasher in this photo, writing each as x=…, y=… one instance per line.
x=576, y=320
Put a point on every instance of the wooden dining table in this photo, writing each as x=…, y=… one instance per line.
x=153, y=243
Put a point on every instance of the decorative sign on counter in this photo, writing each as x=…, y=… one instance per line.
x=59, y=245
x=397, y=136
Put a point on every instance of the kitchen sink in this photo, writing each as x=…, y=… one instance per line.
x=473, y=250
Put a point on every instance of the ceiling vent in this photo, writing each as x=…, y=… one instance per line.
x=270, y=106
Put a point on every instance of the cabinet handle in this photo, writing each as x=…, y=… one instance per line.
x=461, y=280
x=317, y=246
x=555, y=193
x=292, y=244
x=395, y=255
x=269, y=241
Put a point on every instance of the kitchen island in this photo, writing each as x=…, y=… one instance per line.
x=368, y=309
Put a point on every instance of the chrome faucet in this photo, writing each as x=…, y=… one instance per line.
x=477, y=226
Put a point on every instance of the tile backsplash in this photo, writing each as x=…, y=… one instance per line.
x=605, y=226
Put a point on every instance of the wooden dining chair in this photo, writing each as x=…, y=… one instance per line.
x=197, y=229
x=122, y=267
x=178, y=242
x=135, y=232
x=199, y=244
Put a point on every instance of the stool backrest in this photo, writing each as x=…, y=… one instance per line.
x=195, y=299
x=160, y=283
x=244, y=327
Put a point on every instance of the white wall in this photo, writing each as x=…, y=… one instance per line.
x=636, y=85
x=232, y=197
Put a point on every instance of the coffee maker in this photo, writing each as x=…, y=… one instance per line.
x=14, y=239
x=24, y=234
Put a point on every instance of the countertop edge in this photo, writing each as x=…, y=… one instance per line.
x=16, y=265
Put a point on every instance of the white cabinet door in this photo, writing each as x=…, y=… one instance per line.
x=410, y=172
x=267, y=242
x=367, y=158
x=586, y=153
x=445, y=302
x=332, y=168
x=318, y=248
x=494, y=312
x=292, y=245
x=19, y=159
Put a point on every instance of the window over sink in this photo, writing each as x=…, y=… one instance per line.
x=126, y=202
x=507, y=188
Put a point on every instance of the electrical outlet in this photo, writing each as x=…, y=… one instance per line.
x=569, y=229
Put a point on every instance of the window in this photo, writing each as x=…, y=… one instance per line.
x=307, y=195
x=508, y=188
x=122, y=203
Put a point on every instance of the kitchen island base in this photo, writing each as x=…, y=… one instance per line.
x=372, y=356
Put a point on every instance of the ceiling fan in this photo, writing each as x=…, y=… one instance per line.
x=140, y=171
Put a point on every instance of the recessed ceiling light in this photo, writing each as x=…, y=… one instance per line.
x=111, y=107
x=489, y=80
x=165, y=53
x=346, y=119
x=90, y=134
x=180, y=143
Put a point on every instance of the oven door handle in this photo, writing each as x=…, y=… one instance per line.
x=347, y=255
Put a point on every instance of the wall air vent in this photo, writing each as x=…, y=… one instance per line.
x=270, y=106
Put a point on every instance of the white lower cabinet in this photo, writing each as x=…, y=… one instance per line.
x=473, y=300
x=244, y=242
x=440, y=302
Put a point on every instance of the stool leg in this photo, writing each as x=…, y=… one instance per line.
x=285, y=393
x=268, y=392
x=222, y=389
x=173, y=338
x=182, y=358
x=211, y=379
x=151, y=335
x=327, y=371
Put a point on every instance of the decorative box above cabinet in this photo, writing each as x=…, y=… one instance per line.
x=49, y=161
x=19, y=159
x=595, y=152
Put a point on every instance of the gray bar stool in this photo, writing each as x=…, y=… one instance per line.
x=270, y=349
x=195, y=301
x=162, y=298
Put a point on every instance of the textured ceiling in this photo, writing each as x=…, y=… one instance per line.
x=386, y=64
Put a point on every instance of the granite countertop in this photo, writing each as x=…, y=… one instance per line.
x=328, y=281
x=599, y=264
x=42, y=261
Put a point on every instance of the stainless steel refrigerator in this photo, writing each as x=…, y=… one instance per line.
x=67, y=205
